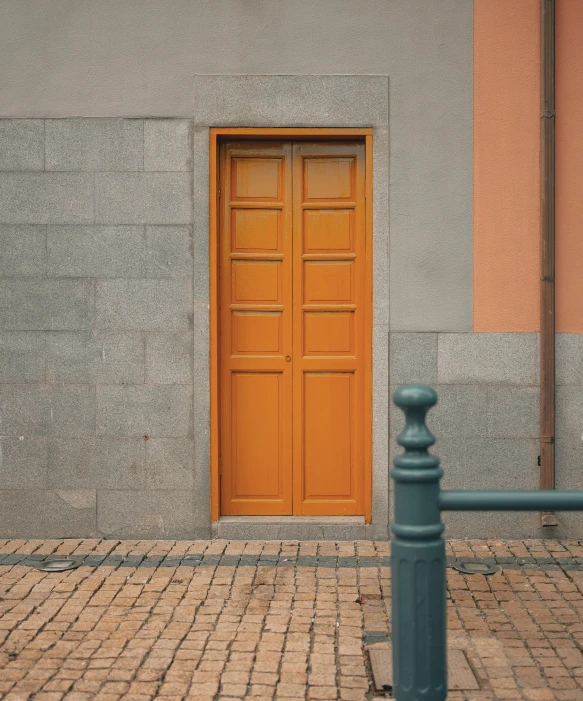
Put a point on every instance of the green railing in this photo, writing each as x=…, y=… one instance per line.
x=418, y=548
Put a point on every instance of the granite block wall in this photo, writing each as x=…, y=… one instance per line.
x=96, y=316
x=487, y=419
x=569, y=441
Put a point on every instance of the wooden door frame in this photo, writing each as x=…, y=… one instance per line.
x=218, y=134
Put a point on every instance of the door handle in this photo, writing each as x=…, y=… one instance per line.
x=287, y=358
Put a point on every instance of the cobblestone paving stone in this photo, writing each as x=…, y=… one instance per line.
x=272, y=620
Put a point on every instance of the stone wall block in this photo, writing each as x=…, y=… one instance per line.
x=22, y=356
x=153, y=411
x=86, y=144
x=380, y=424
x=167, y=144
x=47, y=410
x=569, y=358
x=170, y=463
x=23, y=462
x=149, y=514
x=25, y=410
x=462, y=410
x=380, y=240
x=506, y=358
x=96, y=251
x=169, y=252
x=569, y=412
x=46, y=305
x=72, y=410
x=96, y=463
x=96, y=357
x=334, y=100
x=169, y=358
x=513, y=412
x=200, y=191
x=46, y=198
x=413, y=358
x=569, y=459
x=148, y=305
x=23, y=251
x=34, y=513
x=143, y=198
x=22, y=144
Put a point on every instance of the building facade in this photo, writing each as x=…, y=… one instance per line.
x=229, y=230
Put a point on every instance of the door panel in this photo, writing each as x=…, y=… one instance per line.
x=329, y=329
x=328, y=282
x=256, y=230
x=257, y=450
x=255, y=282
x=328, y=178
x=258, y=333
x=329, y=333
x=328, y=439
x=328, y=230
x=256, y=178
x=292, y=328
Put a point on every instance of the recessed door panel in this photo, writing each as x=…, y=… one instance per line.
x=256, y=230
x=328, y=430
x=328, y=333
x=328, y=282
x=292, y=267
x=328, y=230
x=256, y=281
x=257, y=333
x=329, y=178
x=256, y=178
x=256, y=439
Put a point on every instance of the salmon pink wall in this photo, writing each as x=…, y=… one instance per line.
x=507, y=170
x=506, y=165
x=569, y=185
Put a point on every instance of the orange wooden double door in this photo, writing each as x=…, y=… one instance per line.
x=293, y=328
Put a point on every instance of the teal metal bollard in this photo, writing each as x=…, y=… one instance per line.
x=418, y=548
x=418, y=558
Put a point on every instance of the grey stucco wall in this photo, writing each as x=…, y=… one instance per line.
x=64, y=58
x=96, y=335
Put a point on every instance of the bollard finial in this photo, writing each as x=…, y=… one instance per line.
x=415, y=401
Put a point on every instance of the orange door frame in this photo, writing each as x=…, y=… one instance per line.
x=264, y=134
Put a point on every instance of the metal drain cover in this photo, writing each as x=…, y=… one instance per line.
x=58, y=564
x=475, y=567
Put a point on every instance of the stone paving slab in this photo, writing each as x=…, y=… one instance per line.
x=220, y=620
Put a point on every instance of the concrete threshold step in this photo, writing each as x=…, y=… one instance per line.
x=291, y=528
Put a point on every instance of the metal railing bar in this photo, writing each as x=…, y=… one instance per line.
x=539, y=500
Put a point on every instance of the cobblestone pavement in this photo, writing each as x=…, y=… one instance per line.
x=270, y=620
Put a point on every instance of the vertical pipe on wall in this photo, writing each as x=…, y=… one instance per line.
x=547, y=288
